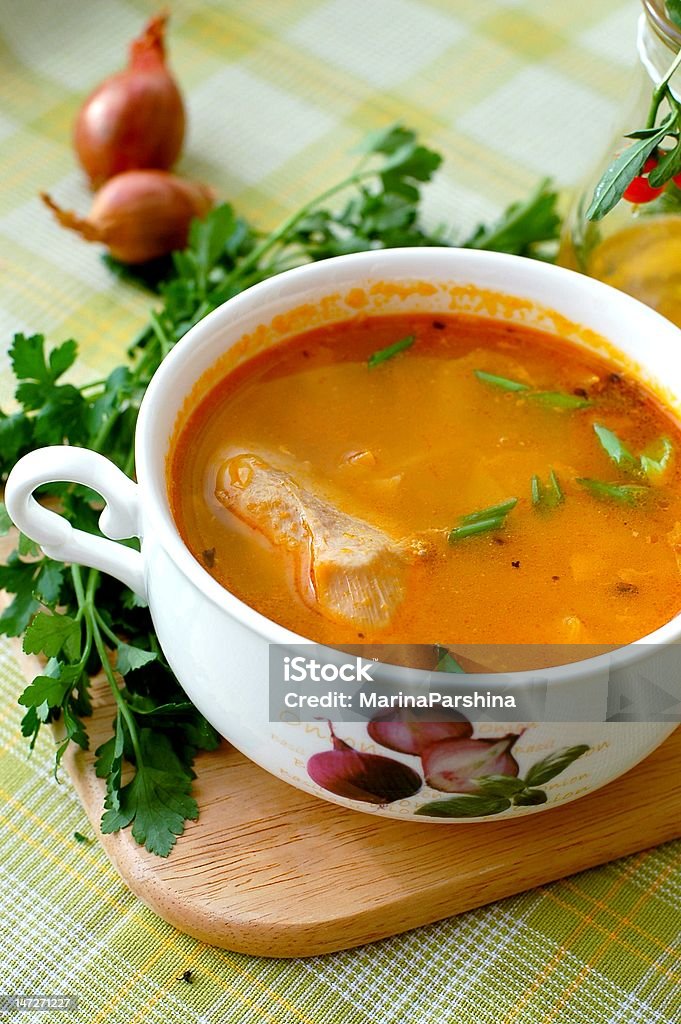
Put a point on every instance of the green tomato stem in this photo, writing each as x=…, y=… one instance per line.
x=661, y=91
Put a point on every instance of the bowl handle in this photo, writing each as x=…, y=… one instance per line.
x=55, y=535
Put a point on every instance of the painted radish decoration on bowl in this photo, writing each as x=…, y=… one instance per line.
x=411, y=733
x=371, y=778
x=481, y=776
x=455, y=765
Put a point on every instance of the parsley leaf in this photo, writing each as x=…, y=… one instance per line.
x=109, y=764
x=157, y=801
x=45, y=691
x=131, y=658
x=48, y=634
x=15, y=438
x=5, y=521
x=59, y=409
x=31, y=583
x=524, y=228
x=27, y=356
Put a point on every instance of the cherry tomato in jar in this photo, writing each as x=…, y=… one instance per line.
x=638, y=190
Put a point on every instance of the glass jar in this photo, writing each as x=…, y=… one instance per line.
x=636, y=248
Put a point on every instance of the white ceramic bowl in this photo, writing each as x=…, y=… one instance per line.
x=216, y=644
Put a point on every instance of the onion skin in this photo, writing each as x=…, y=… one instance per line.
x=370, y=778
x=452, y=766
x=410, y=733
x=140, y=215
x=134, y=119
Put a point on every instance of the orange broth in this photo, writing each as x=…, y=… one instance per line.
x=415, y=443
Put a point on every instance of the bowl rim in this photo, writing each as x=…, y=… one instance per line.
x=155, y=507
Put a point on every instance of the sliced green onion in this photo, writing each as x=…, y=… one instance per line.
x=627, y=493
x=471, y=529
x=557, y=489
x=492, y=518
x=559, y=399
x=652, y=465
x=536, y=490
x=614, y=448
x=546, y=496
x=501, y=382
x=391, y=350
x=494, y=510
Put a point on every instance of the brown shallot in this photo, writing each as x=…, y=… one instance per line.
x=139, y=215
x=135, y=118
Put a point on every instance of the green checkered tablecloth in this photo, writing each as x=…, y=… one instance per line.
x=279, y=91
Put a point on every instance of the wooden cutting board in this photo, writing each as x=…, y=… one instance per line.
x=271, y=871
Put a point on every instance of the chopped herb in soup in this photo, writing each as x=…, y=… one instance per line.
x=401, y=479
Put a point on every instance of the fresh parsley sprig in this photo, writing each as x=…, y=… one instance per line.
x=84, y=623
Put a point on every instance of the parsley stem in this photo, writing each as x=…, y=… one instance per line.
x=109, y=632
x=165, y=342
x=129, y=462
x=82, y=614
x=256, y=254
x=92, y=581
x=123, y=707
x=104, y=431
x=139, y=342
x=78, y=585
x=497, y=233
x=94, y=619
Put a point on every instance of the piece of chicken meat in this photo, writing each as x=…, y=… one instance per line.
x=347, y=569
